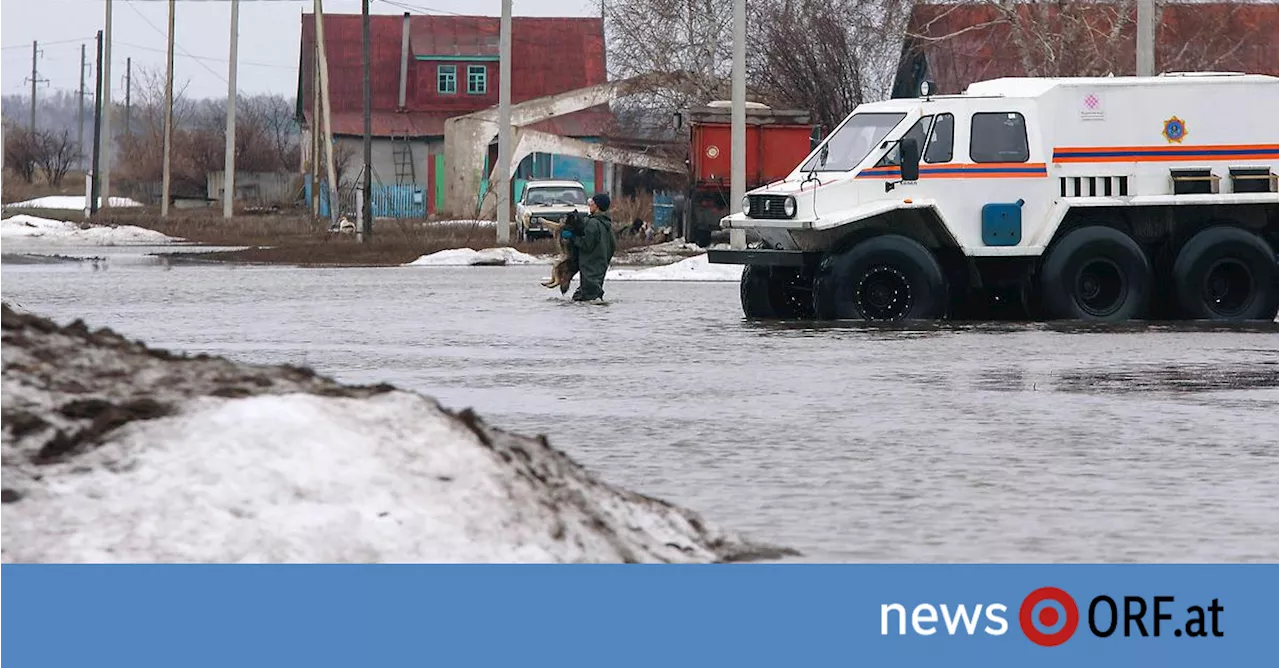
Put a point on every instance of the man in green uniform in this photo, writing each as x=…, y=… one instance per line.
x=592, y=239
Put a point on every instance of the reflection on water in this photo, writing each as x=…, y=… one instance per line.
x=920, y=442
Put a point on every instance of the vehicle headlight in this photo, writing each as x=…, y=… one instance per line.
x=789, y=207
x=746, y=206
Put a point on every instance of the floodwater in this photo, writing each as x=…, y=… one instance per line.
x=1004, y=443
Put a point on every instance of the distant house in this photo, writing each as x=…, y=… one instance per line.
x=451, y=68
x=955, y=44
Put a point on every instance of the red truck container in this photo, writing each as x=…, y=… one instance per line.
x=776, y=143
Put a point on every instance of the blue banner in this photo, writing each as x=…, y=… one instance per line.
x=605, y=616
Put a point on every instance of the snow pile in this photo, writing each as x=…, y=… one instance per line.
x=462, y=257
x=696, y=268
x=45, y=230
x=113, y=452
x=72, y=202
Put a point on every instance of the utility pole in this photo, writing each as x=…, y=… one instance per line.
x=229, y=172
x=738, y=127
x=328, y=117
x=503, y=186
x=106, y=110
x=366, y=203
x=315, y=130
x=35, y=53
x=1146, y=38
x=168, y=116
x=97, y=132
x=80, y=111
x=128, y=96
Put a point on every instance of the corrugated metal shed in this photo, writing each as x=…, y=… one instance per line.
x=549, y=56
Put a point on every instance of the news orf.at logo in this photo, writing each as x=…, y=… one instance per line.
x=1049, y=617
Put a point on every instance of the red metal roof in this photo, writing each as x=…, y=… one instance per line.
x=549, y=56
x=965, y=42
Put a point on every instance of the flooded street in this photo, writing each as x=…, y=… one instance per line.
x=1003, y=443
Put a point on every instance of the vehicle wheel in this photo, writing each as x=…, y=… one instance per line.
x=1096, y=273
x=1226, y=273
x=887, y=277
x=775, y=293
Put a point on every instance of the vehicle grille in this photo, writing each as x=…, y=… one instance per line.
x=767, y=206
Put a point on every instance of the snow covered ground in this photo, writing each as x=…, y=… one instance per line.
x=462, y=257
x=75, y=202
x=24, y=228
x=113, y=452
x=696, y=268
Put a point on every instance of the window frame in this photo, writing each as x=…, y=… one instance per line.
x=893, y=156
x=1026, y=138
x=483, y=72
x=452, y=71
x=933, y=132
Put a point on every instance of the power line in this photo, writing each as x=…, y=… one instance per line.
x=65, y=41
x=207, y=58
x=166, y=36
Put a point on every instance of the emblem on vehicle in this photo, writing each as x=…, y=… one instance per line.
x=1175, y=129
x=713, y=151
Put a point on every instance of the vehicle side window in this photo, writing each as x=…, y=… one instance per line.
x=998, y=137
x=939, y=148
x=917, y=132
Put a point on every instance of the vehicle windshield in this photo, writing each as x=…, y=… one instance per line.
x=849, y=145
x=554, y=196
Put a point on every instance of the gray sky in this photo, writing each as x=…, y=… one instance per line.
x=269, y=34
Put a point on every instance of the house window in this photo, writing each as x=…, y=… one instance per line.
x=940, y=142
x=447, y=79
x=477, y=83
x=998, y=137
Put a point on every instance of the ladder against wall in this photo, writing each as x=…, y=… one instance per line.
x=402, y=155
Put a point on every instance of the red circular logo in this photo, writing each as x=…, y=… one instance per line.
x=1043, y=622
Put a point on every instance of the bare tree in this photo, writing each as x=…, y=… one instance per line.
x=56, y=153
x=21, y=152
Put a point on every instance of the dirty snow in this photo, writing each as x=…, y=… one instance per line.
x=113, y=452
x=696, y=268
x=462, y=257
x=45, y=230
x=74, y=202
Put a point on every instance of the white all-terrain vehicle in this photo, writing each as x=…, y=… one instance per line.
x=1100, y=199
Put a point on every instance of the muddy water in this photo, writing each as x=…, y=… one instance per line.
x=975, y=443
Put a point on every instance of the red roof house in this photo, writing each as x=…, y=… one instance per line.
x=955, y=44
x=452, y=69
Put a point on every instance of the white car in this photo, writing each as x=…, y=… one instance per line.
x=547, y=201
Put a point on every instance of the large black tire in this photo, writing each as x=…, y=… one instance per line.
x=1098, y=274
x=1226, y=273
x=771, y=294
x=886, y=277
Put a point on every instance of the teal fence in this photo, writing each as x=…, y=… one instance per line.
x=389, y=201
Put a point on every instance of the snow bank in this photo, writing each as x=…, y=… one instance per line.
x=692, y=269
x=657, y=254
x=75, y=202
x=462, y=257
x=113, y=452
x=45, y=230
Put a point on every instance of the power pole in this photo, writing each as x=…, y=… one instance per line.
x=1146, y=38
x=738, y=127
x=168, y=116
x=106, y=110
x=229, y=173
x=128, y=96
x=35, y=53
x=97, y=132
x=80, y=111
x=366, y=203
x=315, y=130
x=503, y=186
x=328, y=116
